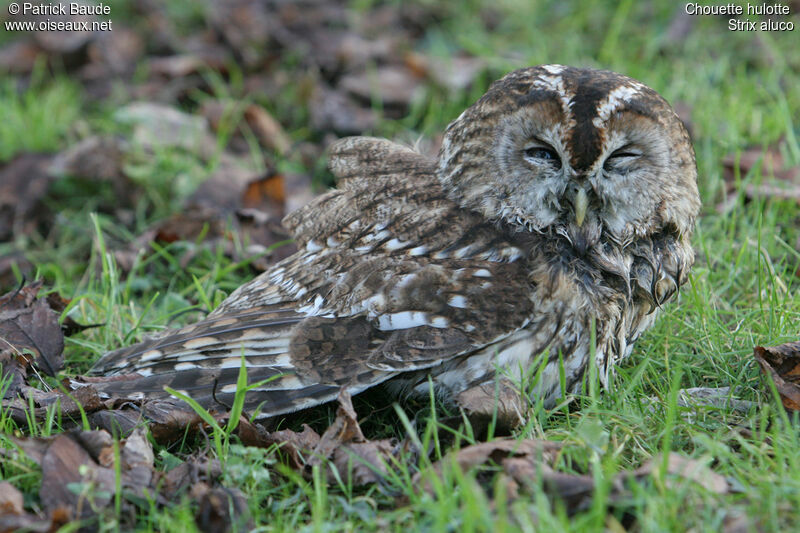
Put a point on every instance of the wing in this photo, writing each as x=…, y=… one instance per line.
x=391, y=277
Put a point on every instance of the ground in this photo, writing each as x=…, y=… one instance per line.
x=737, y=92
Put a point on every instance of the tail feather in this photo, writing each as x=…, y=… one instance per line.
x=262, y=332
x=215, y=389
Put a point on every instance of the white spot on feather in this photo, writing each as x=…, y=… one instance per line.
x=313, y=309
x=313, y=246
x=381, y=235
x=395, y=244
x=461, y=253
x=151, y=355
x=613, y=101
x=554, y=69
x=439, y=322
x=409, y=319
x=200, y=342
x=457, y=301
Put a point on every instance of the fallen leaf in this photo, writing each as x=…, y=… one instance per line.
x=295, y=445
x=685, y=468
x=191, y=225
x=453, y=73
x=715, y=397
x=78, y=469
x=158, y=125
x=779, y=178
x=394, y=86
x=23, y=184
x=97, y=159
x=12, y=523
x=246, y=27
x=679, y=27
x=225, y=188
x=353, y=456
x=337, y=112
x=342, y=448
x=113, y=53
x=27, y=323
x=268, y=130
x=180, y=65
x=782, y=365
x=70, y=478
x=11, y=262
x=488, y=402
x=169, y=420
x=220, y=509
x=196, y=469
x=539, y=451
x=19, y=57
x=68, y=41
x=527, y=463
x=11, y=500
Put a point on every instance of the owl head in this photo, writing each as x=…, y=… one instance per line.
x=588, y=154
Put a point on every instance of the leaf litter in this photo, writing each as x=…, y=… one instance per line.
x=346, y=68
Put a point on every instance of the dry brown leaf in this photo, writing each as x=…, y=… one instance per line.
x=345, y=449
x=454, y=73
x=99, y=159
x=268, y=130
x=196, y=468
x=220, y=509
x=342, y=448
x=780, y=179
x=782, y=365
x=19, y=57
x=181, y=65
x=169, y=420
x=223, y=190
x=27, y=323
x=685, y=468
x=395, y=86
x=78, y=469
x=70, y=478
x=113, y=53
x=158, y=125
x=11, y=500
x=79, y=401
x=486, y=402
x=337, y=112
x=295, y=446
x=10, y=263
x=23, y=184
x=526, y=463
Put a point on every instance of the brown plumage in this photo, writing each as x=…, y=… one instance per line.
x=563, y=197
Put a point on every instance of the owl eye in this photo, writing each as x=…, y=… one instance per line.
x=540, y=153
x=619, y=156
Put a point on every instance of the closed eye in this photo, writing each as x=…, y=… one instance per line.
x=539, y=154
x=618, y=156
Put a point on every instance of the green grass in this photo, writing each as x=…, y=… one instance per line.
x=743, y=292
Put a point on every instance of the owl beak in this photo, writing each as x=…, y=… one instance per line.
x=581, y=202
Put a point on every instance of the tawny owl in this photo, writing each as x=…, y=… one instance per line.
x=561, y=204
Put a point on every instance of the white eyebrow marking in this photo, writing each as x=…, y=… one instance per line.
x=554, y=68
x=614, y=100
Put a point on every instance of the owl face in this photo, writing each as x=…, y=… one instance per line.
x=583, y=153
